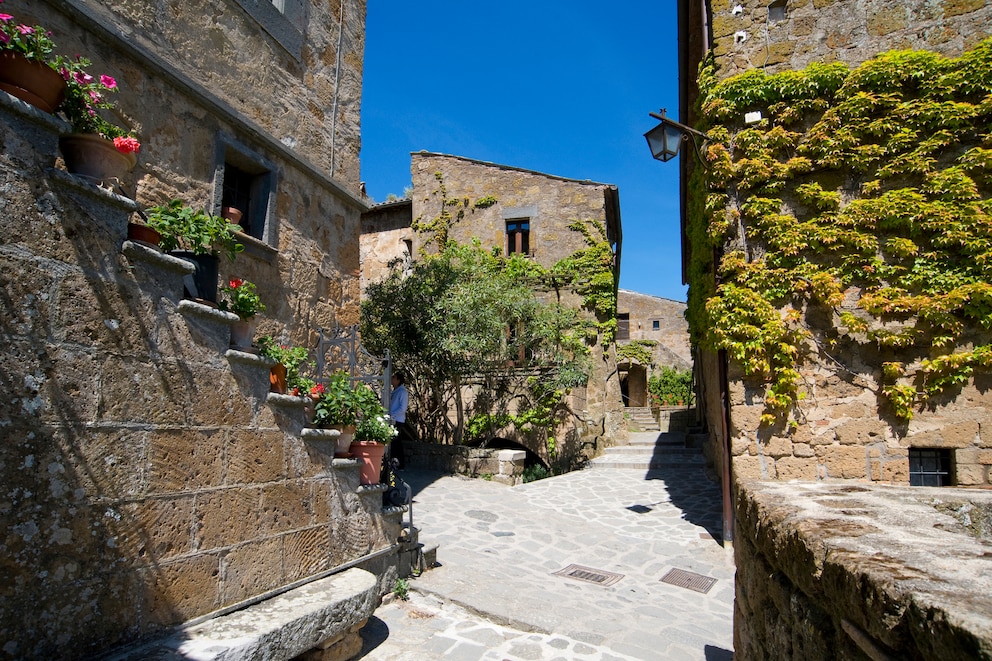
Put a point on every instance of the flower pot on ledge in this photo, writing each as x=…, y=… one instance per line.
x=31, y=81
x=242, y=333
x=277, y=379
x=94, y=157
x=369, y=455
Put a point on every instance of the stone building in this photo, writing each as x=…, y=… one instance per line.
x=657, y=324
x=864, y=400
x=150, y=477
x=844, y=430
x=520, y=211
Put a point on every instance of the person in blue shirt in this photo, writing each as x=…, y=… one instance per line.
x=399, y=399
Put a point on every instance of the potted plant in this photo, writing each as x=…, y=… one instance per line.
x=285, y=374
x=242, y=300
x=96, y=148
x=341, y=405
x=26, y=67
x=198, y=237
x=372, y=432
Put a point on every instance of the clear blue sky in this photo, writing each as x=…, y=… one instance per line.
x=560, y=87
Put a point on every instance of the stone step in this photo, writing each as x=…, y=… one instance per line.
x=659, y=450
x=647, y=462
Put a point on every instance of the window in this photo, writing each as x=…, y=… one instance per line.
x=518, y=236
x=929, y=468
x=283, y=20
x=246, y=181
x=623, y=326
x=655, y=324
x=776, y=11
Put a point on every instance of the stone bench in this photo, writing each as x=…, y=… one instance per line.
x=311, y=619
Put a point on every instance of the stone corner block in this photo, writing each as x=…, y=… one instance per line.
x=281, y=627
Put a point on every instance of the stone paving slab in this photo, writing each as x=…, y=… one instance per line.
x=499, y=549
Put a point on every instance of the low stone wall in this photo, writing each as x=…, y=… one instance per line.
x=506, y=466
x=856, y=571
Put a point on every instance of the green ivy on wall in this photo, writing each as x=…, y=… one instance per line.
x=862, y=197
x=637, y=350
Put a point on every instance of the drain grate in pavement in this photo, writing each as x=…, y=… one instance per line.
x=689, y=580
x=589, y=575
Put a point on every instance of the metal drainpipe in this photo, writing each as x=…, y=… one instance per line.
x=728, y=509
x=337, y=89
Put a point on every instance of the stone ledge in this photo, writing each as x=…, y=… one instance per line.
x=85, y=186
x=143, y=253
x=906, y=569
x=279, y=399
x=248, y=358
x=280, y=627
x=314, y=434
x=370, y=488
x=193, y=308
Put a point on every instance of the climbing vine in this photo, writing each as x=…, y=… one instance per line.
x=861, y=196
x=637, y=350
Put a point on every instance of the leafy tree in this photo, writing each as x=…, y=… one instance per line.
x=463, y=319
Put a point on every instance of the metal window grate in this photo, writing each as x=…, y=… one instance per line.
x=689, y=580
x=929, y=467
x=589, y=575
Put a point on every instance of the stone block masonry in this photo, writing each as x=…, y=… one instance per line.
x=850, y=571
x=148, y=480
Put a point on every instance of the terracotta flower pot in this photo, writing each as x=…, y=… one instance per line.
x=232, y=214
x=93, y=156
x=242, y=333
x=342, y=446
x=142, y=234
x=277, y=379
x=31, y=81
x=370, y=456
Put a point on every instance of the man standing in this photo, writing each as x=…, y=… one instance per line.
x=399, y=399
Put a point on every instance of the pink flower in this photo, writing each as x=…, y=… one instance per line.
x=5, y=17
x=83, y=78
x=25, y=29
x=4, y=37
x=108, y=82
x=95, y=96
x=127, y=145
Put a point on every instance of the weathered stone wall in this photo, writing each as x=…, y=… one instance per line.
x=672, y=336
x=835, y=571
x=386, y=237
x=846, y=428
x=149, y=476
x=850, y=31
x=550, y=202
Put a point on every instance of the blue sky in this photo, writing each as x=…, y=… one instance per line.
x=560, y=87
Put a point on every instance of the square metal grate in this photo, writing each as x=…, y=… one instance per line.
x=689, y=580
x=589, y=575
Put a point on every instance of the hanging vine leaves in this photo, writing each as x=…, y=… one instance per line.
x=864, y=191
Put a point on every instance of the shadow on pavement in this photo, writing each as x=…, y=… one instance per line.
x=374, y=633
x=689, y=489
x=419, y=479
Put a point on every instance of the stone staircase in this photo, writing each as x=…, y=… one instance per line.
x=640, y=419
x=650, y=450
